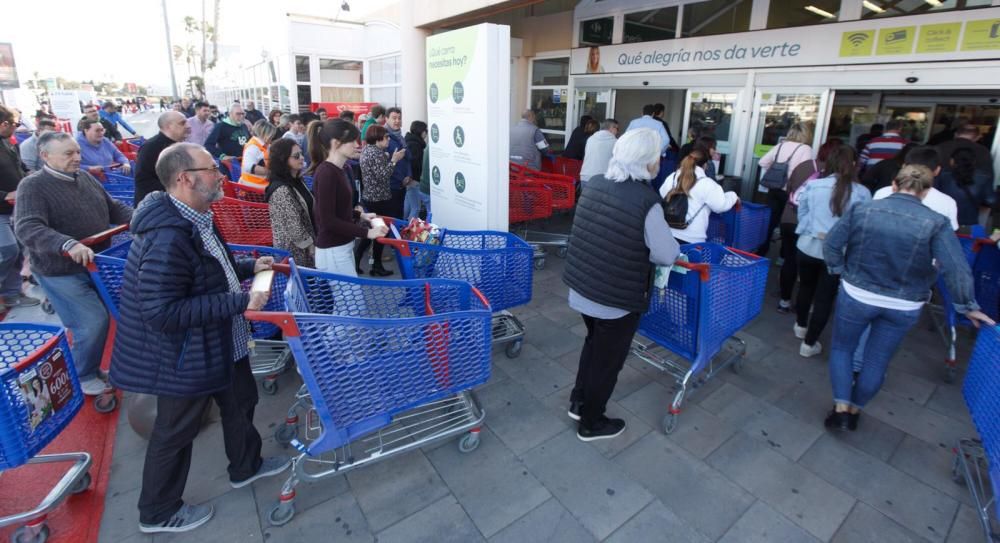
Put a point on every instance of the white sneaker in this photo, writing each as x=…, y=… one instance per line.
x=806, y=351
x=800, y=331
x=94, y=387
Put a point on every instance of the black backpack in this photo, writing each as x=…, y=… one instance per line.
x=776, y=177
x=675, y=211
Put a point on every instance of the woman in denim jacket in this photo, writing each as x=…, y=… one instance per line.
x=822, y=202
x=884, y=252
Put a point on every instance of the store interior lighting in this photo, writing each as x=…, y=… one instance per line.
x=873, y=6
x=934, y=3
x=820, y=12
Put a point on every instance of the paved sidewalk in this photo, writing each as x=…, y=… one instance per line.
x=749, y=461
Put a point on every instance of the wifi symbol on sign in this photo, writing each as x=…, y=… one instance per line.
x=857, y=38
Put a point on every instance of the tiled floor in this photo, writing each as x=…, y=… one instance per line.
x=749, y=461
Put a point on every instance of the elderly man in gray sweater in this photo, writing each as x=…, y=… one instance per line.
x=56, y=207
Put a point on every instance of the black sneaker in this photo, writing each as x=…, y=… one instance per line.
x=852, y=421
x=837, y=421
x=379, y=271
x=604, y=428
x=574, y=410
x=188, y=517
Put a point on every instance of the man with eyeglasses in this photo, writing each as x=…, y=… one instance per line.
x=174, y=128
x=56, y=207
x=183, y=338
x=229, y=136
x=12, y=171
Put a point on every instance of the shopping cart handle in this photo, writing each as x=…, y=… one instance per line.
x=104, y=236
x=284, y=321
x=702, y=269
x=400, y=245
x=283, y=269
x=481, y=296
x=979, y=243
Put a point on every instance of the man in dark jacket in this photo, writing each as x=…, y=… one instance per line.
x=184, y=339
x=229, y=136
x=253, y=114
x=402, y=175
x=173, y=128
x=11, y=173
x=416, y=142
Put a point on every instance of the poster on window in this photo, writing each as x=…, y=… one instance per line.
x=468, y=113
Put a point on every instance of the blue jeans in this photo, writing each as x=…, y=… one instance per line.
x=426, y=200
x=411, y=203
x=81, y=311
x=888, y=327
x=10, y=260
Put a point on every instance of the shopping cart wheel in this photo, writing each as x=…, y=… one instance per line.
x=956, y=471
x=105, y=403
x=47, y=308
x=281, y=514
x=31, y=534
x=269, y=386
x=469, y=443
x=561, y=252
x=285, y=434
x=513, y=349
x=540, y=263
x=737, y=366
x=950, y=372
x=82, y=484
x=669, y=423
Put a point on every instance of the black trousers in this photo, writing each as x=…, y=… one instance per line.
x=817, y=289
x=397, y=203
x=178, y=420
x=790, y=266
x=776, y=200
x=384, y=208
x=604, y=352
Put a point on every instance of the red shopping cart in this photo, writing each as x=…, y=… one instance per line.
x=242, y=222
x=243, y=192
x=39, y=397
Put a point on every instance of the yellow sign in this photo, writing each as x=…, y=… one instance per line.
x=857, y=43
x=940, y=38
x=895, y=41
x=981, y=35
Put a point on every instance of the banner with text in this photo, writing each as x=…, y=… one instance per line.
x=959, y=35
x=468, y=73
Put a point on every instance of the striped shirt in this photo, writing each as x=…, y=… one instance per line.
x=882, y=148
x=203, y=223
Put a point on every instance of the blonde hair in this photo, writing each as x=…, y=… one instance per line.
x=914, y=178
x=800, y=133
x=632, y=155
x=264, y=130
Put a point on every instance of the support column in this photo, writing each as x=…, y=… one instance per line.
x=414, y=71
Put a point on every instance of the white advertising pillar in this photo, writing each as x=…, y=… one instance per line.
x=414, y=76
x=468, y=108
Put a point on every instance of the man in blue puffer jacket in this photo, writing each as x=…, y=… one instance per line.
x=183, y=338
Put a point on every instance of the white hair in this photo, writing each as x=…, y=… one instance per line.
x=632, y=155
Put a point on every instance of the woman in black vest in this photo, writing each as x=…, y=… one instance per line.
x=618, y=235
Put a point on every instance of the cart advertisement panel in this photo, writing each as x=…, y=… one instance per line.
x=469, y=126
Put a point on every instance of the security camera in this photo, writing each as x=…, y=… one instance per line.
x=645, y=83
x=912, y=79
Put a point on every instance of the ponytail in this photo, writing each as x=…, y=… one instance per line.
x=319, y=134
x=686, y=175
x=840, y=163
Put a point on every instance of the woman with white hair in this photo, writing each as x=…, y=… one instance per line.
x=255, y=161
x=619, y=233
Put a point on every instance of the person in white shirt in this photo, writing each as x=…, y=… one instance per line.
x=925, y=155
x=597, y=153
x=704, y=196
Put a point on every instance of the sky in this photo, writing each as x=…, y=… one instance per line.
x=124, y=40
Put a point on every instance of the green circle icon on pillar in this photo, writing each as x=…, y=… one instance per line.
x=435, y=133
x=458, y=92
x=459, y=182
x=436, y=175
x=459, y=136
x=433, y=93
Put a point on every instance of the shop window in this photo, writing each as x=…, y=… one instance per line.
x=652, y=25
x=550, y=71
x=802, y=13
x=304, y=95
x=387, y=96
x=549, y=106
x=716, y=17
x=341, y=94
x=340, y=72
x=597, y=31
x=302, y=68
x=894, y=8
x=384, y=71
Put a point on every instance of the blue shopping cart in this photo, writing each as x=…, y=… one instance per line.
x=743, y=227
x=499, y=264
x=269, y=356
x=977, y=461
x=706, y=300
x=388, y=367
x=39, y=397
